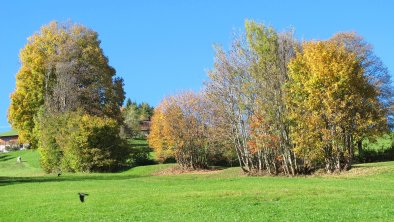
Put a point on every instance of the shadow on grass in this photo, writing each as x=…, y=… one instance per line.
x=5, y=157
x=139, y=139
x=374, y=164
x=139, y=146
x=4, y=181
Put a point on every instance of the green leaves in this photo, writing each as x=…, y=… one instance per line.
x=79, y=142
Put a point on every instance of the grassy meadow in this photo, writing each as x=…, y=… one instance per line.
x=366, y=193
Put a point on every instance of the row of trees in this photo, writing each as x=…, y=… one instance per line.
x=67, y=101
x=279, y=105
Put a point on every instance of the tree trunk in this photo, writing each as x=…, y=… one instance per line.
x=360, y=148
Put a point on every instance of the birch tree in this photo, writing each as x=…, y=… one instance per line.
x=246, y=85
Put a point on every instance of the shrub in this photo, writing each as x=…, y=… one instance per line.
x=140, y=156
x=370, y=156
x=79, y=142
x=377, y=149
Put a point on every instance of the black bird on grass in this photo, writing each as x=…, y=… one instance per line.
x=82, y=196
x=59, y=174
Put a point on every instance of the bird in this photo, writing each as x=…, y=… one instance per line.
x=82, y=196
x=59, y=174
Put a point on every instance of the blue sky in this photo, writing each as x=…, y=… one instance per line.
x=161, y=47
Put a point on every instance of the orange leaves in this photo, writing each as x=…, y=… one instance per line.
x=261, y=135
x=179, y=130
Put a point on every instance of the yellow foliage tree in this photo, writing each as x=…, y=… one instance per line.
x=158, y=135
x=331, y=103
x=32, y=79
x=63, y=68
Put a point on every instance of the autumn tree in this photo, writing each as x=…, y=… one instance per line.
x=332, y=103
x=246, y=84
x=65, y=78
x=226, y=89
x=270, y=138
x=377, y=74
x=157, y=138
x=33, y=79
x=179, y=129
x=63, y=68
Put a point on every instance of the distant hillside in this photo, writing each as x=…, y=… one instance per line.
x=29, y=166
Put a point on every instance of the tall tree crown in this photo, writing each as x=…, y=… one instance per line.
x=64, y=69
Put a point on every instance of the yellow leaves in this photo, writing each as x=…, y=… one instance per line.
x=75, y=141
x=156, y=137
x=330, y=79
x=44, y=58
x=165, y=128
x=28, y=95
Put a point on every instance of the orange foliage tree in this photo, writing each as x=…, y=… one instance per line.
x=179, y=130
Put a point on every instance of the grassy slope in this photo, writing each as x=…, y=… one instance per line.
x=364, y=194
x=143, y=143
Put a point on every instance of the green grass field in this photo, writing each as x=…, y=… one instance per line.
x=366, y=193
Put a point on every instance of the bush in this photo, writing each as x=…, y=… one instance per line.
x=79, y=142
x=140, y=156
x=140, y=152
x=369, y=156
x=378, y=149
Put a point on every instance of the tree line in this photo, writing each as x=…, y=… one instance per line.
x=278, y=105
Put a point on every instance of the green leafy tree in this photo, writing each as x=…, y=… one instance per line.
x=133, y=115
x=129, y=103
x=145, y=111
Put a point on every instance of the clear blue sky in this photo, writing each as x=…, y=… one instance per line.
x=161, y=47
